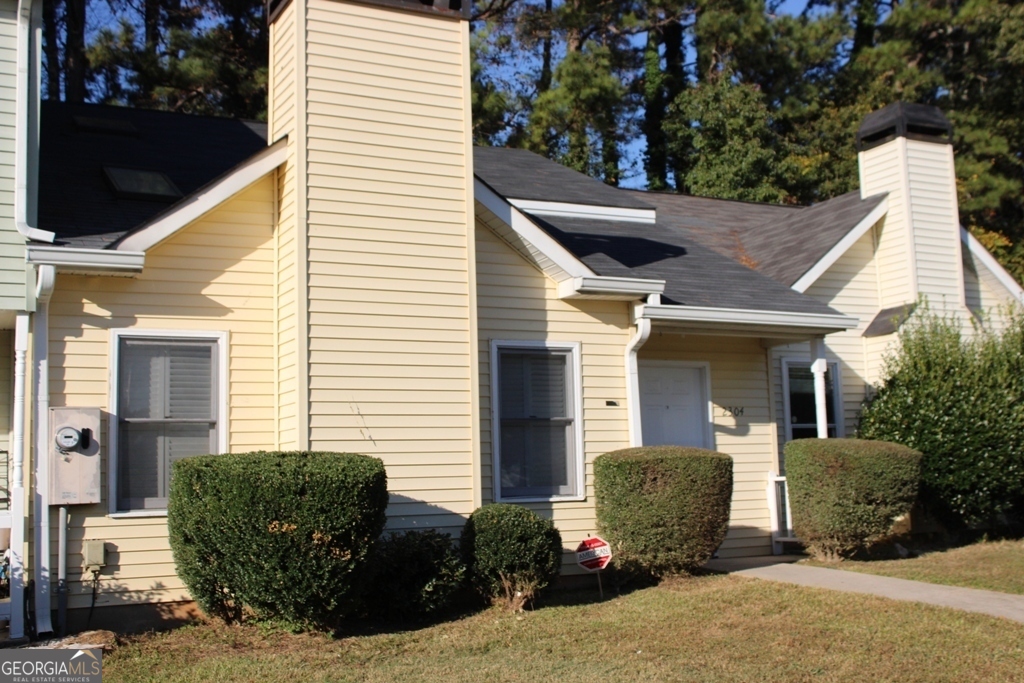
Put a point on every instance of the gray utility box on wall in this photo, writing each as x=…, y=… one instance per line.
x=74, y=456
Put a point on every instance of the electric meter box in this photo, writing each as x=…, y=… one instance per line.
x=74, y=456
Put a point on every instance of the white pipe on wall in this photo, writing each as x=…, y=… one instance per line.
x=819, y=366
x=17, y=577
x=643, y=332
x=40, y=356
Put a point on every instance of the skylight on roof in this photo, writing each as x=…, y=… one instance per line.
x=132, y=183
x=94, y=124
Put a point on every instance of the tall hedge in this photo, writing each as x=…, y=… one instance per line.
x=959, y=399
x=663, y=509
x=280, y=535
x=846, y=493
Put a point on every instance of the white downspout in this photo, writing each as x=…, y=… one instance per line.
x=22, y=148
x=643, y=332
x=40, y=342
x=17, y=624
x=819, y=365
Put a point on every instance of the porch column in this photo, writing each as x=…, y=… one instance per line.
x=818, y=367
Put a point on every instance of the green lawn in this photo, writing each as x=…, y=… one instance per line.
x=713, y=628
x=995, y=566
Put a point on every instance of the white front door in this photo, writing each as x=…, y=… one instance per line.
x=674, y=404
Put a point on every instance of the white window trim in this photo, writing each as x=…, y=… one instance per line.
x=577, y=396
x=837, y=395
x=221, y=339
x=709, y=404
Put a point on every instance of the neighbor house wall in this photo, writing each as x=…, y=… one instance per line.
x=218, y=275
x=13, y=274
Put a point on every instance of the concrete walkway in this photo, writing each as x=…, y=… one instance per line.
x=781, y=569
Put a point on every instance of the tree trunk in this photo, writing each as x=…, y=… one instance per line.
x=74, y=51
x=656, y=158
x=51, y=51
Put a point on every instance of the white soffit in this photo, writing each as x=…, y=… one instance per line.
x=206, y=199
x=841, y=247
x=566, y=210
x=979, y=251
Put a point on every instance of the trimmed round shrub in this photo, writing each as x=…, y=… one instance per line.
x=960, y=401
x=846, y=493
x=413, y=574
x=663, y=509
x=276, y=535
x=511, y=552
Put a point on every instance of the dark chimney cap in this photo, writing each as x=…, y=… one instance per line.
x=902, y=119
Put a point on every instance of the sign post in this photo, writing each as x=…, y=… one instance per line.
x=594, y=554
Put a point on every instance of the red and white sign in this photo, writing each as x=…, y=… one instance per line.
x=593, y=554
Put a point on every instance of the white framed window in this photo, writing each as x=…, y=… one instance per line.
x=168, y=401
x=798, y=395
x=537, y=430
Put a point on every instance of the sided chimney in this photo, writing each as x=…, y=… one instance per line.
x=906, y=151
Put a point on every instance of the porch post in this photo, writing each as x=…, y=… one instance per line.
x=818, y=367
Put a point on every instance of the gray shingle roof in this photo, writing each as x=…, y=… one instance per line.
x=75, y=199
x=695, y=275
x=782, y=242
x=519, y=174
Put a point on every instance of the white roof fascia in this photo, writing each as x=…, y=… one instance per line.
x=567, y=210
x=978, y=250
x=738, y=316
x=841, y=247
x=69, y=259
x=206, y=200
x=601, y=287
x=564, y=261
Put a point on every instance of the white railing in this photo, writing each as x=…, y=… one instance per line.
x=779, y=512
x=13, y=608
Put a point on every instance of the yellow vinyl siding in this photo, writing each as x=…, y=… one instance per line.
x=286, y=100
x=882, y=170
x=936, y=221
x=984, y=295
x=517, y=302
x=186, y=285
x=739, y=378
x=388, y=274
x=849, y=286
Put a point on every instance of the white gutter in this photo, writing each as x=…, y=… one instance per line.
x=40, y=341
x=604, y=286
x=643, y=332
x=735, y=316
x=21, y=127
x=87, y=260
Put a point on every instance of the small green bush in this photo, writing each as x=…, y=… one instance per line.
x=663, y=509
x=412, y=574
x=511, y=552
x=276, y=535
x=959, y=399
x=846, y=493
